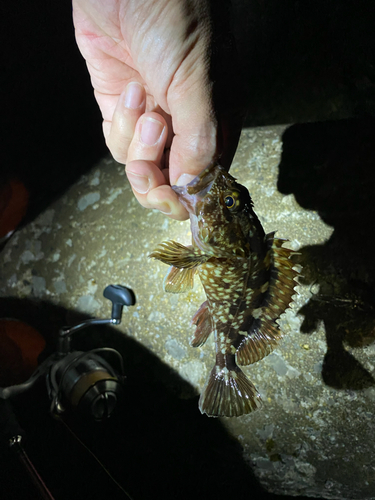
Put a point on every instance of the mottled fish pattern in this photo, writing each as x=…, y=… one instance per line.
x=248, y=279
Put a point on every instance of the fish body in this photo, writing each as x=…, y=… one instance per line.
x=248, y=279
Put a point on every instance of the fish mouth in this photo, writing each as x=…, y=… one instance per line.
x=198, y=188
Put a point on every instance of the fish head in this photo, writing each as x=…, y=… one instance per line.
x=222, y=219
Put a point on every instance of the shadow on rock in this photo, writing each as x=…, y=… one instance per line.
x=329, y=167
x=305, y=61
x=156, y=444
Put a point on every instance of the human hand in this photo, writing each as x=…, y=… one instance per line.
x=149, y=65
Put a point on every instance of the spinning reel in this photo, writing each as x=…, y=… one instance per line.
x=85, y=381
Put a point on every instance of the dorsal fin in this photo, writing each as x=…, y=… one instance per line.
x=262, y=339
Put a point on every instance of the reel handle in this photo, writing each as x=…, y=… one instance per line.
x=120, y=296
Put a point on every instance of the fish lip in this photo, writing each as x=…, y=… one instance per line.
x=197, y=189
x=206, y=177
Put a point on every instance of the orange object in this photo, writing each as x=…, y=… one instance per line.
x=14, y=200
x=20, y=346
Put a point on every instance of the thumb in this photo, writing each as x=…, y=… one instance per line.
x=202, y=135
x=195, y=129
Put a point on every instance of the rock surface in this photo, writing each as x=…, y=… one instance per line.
x=314, y=434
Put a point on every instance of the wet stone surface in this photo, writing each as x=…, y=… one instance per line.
x=312, y=436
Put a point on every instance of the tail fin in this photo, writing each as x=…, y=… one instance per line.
x=228, y=393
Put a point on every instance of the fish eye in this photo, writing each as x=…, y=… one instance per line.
x=232, y=200
x=229, y=201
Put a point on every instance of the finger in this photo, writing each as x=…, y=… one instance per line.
x=144, y=155
x=119, y=133
x=149, y=138
x=158, y=195
x=143, y=177
x=163, y=198
x=150, y=183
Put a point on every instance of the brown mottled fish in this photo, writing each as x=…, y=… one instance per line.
x=248, y=279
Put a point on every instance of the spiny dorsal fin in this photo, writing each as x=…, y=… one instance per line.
x=202, y=319
x=178, y=280
x=263, y=339
x=228, y=393
x=175, y=254
x=282, y=281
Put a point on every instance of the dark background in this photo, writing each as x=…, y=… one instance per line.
x=299, y=61
x=302, y=62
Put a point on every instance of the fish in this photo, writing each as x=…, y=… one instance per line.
x=248, y=278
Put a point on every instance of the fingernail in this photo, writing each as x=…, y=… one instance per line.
x=133, y=95
x=184, y=179
x=140, y=183
x=164, y=208
x=151, y=131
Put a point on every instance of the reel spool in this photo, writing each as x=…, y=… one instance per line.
x=86, y=382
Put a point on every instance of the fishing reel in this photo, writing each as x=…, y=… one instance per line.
x=87, y=381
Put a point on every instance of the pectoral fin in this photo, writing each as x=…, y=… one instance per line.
x=177, y=255
x=178, y=280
